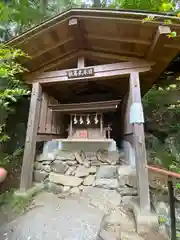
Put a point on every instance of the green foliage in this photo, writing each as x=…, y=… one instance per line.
x=14, y=204
x=162, y=109
x=12, y=88
x=9, y=67
x=11, y=161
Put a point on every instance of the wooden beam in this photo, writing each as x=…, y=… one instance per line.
x=117, y=39
x=120, y=52
x=105, y=54
x=53, y=63
x=91, y=97
x=49, y=49
x=159, y=39
x=139, y=146
x=57, y=60
x=74, y=53
x=77, y=31
x=31, y=134
x=100, y=71
x=81, y=62
x=86, y=107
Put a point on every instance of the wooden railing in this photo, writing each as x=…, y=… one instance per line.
x=168, y=178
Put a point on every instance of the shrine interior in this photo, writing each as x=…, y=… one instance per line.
x=92, y=91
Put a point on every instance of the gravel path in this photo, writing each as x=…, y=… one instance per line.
x=54, y=218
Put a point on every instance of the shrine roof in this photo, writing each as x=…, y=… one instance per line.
x=102, y=36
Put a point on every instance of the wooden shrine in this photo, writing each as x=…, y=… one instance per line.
x=89, y=70
x=86, y=120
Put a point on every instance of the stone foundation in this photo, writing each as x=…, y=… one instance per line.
x=65, y=171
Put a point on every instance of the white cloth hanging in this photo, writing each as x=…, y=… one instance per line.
x=136, y=113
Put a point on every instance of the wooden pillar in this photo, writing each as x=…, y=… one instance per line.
x=31, y=134
x=137, y=121
x=81, y=62
x=101, y=125
x=70, y=126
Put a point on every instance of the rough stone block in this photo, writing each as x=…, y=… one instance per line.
x=55, y=188
x=87, y=163
x=39, y=176
x=71, y=163
x=75, y=190
x=130, y=236
x=78, y=158
x=127, y=175
x=113, y=157
x=38, y=166
x=106, y=172
x=70, y=170
x=65, y=180
x=156, y=236
x=88, y=181
x=105, y=235
x=145, y=221
x=126, y=191
x=90, y=156
x=59, y=167
x=106, y=183
x=82, y=171
x=46, y=157
x=64, y=156
x=46, y=168
x=120, y=220
x=92, y=169
x=66, y=188
x=96, y=163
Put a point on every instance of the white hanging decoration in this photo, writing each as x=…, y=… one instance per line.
x=136, y=113
x=75, y=120
x=88, y=120
x=81, y=120
x=96, y=119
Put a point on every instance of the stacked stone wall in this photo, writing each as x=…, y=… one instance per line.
x=72, y=171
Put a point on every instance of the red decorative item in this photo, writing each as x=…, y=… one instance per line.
x=3, y=174
x=83, y=134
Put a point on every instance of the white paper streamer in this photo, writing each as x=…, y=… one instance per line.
x=136, y=113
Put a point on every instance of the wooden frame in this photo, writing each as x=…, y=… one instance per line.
x=82, y=114
x=86, y=107
x=139, y=146
x=31, y=135
x=100, y=72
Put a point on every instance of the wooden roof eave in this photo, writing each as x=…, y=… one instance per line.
x=100, y=13
x=52, y=63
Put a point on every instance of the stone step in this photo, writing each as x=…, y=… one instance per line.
x=120, y=220
x=58, y=219
x=105, y=235
x=130, y=236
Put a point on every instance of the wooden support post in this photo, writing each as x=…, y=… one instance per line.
x=101, y=125
x=31, y=136
x=70, y=126
x=81, y=62
x=139, y=142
